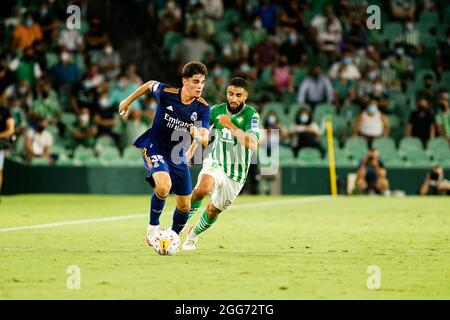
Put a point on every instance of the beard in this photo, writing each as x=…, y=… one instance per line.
x=235, y=110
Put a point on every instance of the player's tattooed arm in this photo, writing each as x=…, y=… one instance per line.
x=245, y=138
x=124, y=106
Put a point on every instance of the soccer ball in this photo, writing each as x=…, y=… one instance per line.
x=166, y=242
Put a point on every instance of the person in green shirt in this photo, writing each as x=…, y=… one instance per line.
x=443, y=117
x=84, y=130
x=226, y=168
x=46, y=105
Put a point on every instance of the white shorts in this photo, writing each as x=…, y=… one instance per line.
x=225, y=190
x=2, y=159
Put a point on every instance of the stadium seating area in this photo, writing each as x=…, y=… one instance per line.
x=274, y=46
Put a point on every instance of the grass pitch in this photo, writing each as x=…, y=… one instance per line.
x=265, y=248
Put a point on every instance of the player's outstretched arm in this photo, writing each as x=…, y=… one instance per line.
x=245, y=138
x=124, y=106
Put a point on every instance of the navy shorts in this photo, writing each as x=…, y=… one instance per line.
x=156, y=161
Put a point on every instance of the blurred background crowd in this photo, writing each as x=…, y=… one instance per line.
x=386, y=89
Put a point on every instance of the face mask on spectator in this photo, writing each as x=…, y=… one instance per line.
x=217, y=72
x=65, y=57
x=378, y=87
x=23, y=90
x=386, y=64
x=271, y=120
x=292, y=37
x=122, y=84
x=28, y=22
x=109, y=50
x=153, y=105
x=245, y=68
x=87, y=84
x=103, y=103
x=400, y=52
x=257, y=24
x=347, y=60
x=372, y=75
x=372, y=108
x=409, y=26
x=84, y=119
x=43, y=11
x=303, y=118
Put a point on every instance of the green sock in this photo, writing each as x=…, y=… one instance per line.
x=204, y=223
x=195, y=205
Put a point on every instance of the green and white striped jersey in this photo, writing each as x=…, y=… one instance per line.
x=232, y=156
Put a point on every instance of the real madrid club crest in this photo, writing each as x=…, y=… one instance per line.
x=194, y=116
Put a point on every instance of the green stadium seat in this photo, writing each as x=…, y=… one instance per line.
x=59, y=150
x=419, y=77
x=341, y=127
x=171, y=39
x=324, y=142
x=276, y=107
x=232, y=16
x=286, y=153
x=384, y=144
x=410, y=144
x=132, y=153
x=394, y=162
x=430, y=17
x=322, y=110
x=287, y=99
x=92, y=162
x=298, y=75
x=445, y=79
x=391, y=31
x=310, y=156
x=417, y=158
x=442, y=156
x=105, y=141
x=108, y=154
x=66, y=162
x=356, y=147
x=437, y=144
x=68, y=118
x=82, y=154
x=40, y=162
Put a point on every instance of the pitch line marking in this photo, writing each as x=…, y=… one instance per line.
x=139, y=216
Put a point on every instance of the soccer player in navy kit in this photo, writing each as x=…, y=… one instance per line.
x=178, y=110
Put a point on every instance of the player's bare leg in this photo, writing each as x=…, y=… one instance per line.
x=207, y=219
x=163, y=184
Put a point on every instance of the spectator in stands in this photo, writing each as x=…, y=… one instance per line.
x=402, y=64
x=71, y=39
x=149, y=106
x=389, y=75
x=402, y=9
x=266, y=53
x=294, y=50
x=327, y=30
x=84, y=93
x=193, y=48
x=291, y=17
x=372, y=175
x=197, y=17
x=371, y=123
x=282, y=77
x=235, y=51
x=123, y=88
x=268, y=12
x=6, y=133
x=132, y=75
x=315, y=88
x=356, y=36
x=435, y=183
x=274, y=133
x=366, y=85
x=443, y=115
x=410, y=38
x=23, y=92
x=305, y=133
x=134, y=127
x=345, y=68
x=38, y=141
x=427, y=92
x=344, y=91
x=7, y=78
x=379, y=94
x=47, y=19
x=46, y=105
x=215, y=88
x=26, y=67
x=109, y=63
x=443, y=52
x=19, y=116
x=421, y=122
x=65, y=73
x=95, y=39
x=84, y=130
x=256, y=34
x=169, y=17
x=104, y=118
x=213, y=8
x=26, y=32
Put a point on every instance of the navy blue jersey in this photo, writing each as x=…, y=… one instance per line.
x=172, y=115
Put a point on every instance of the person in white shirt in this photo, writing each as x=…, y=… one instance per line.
x=371, y=123
x=345, y=68
x=38, y=141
